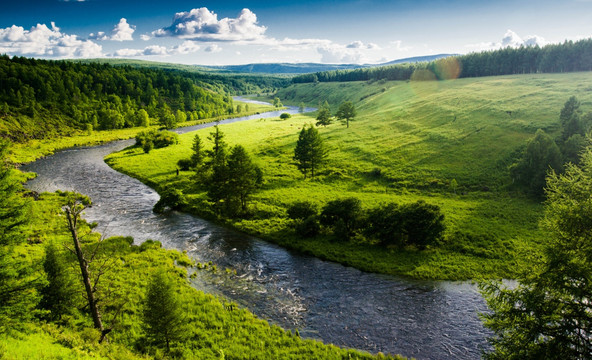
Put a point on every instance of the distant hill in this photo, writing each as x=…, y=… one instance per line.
x=417, y=59
x=305, y=68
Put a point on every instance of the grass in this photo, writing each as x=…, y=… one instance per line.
x=420, y=136
x=34, y=149
x=214, y=328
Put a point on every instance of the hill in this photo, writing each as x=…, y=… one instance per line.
x=409, y=142
x=276, y=69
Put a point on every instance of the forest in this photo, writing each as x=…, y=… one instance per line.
x=569, y=56
x=41, y=98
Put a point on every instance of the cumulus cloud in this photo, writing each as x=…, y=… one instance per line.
x=145, y=37
x=121, y=32
x=354, y=53
x=510, y=39
x=186, y=47
x=360, y=45
x=41, y=40
x=203, y=24
x=213, y=48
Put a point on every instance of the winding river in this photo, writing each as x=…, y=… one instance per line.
x=324, y=300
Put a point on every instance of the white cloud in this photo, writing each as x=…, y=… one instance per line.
x=354, y=53
x=186, y=47
x=145, y=37
x=202, y=24
x=510, y=39
x=40, y=40
x=121, y=32
x=398, y=44
x=360, y=45
x=213, y=49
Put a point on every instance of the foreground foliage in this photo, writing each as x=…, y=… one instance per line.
x=549, y=314
x=139, y=281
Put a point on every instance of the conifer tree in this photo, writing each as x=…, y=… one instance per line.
x=310, y=151
x=163, y=316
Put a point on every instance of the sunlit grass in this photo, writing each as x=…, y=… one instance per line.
x=418, y=137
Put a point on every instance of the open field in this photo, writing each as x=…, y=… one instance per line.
x=409, y=141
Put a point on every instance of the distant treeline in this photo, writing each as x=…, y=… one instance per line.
x=40, y=98
x=567, y=57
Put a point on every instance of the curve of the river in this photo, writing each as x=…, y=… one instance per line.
x=324, y=300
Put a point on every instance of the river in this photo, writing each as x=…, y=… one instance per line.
x=324, y=300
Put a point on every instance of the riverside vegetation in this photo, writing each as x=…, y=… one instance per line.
x=448, y=143
x=146, y=305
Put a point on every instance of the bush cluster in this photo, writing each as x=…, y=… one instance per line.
x=419, y=224
x=156, y=139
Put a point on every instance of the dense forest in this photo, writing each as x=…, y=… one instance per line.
x=555, y=58
x=40, y=98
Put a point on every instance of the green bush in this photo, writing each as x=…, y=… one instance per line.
x=308, y=227
x=185, y=164
x=342, y=216
x=301, y=210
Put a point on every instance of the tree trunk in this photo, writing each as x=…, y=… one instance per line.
x=92, y=304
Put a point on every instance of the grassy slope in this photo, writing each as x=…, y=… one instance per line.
x=214, y=326
x=421, y=136
x=34, y=149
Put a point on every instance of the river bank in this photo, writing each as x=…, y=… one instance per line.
x=324, y=300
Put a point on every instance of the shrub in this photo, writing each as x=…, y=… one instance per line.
x=423, y=224
x=185, y=164
x=308, y=227
x=285, y=116
x=171, y=198
x=342, y=216
x=301, y=210
x=385, y=224
x=159, y=139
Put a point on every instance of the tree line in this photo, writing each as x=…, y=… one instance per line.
x=569, y=56
x=41, y=98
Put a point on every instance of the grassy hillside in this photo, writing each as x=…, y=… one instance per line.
x=409, y=141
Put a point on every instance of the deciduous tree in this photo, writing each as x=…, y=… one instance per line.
x=346, y=111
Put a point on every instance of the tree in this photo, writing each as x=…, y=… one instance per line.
x=277, y=102
x=218, y=152
x=342, y=216
x=386, y=223
x=324, y=115
x=549, y=314
x=310, y=151
x=423, y=223
x=75, y=205
x=17, y=292
x=346, y=111
x=58, y=293
x=197, y=155
x=243, y=176
x=285, y=116
x=142, y=118
x=540, y=156
x=301, y=107
x=163, y=315
x=569, y=118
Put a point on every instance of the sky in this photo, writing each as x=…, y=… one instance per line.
x=293, y=31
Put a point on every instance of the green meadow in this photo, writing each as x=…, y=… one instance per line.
x=409, y=142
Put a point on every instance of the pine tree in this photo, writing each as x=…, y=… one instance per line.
x=197, y=155
x=57, y=294
x=324, y=115
x=310, y=151
x=243, y=175
x=163, y=316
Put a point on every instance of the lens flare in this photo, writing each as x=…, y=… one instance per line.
x=448, y=68
x=423, y=82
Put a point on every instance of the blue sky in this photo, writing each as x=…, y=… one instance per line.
x=239, y=32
